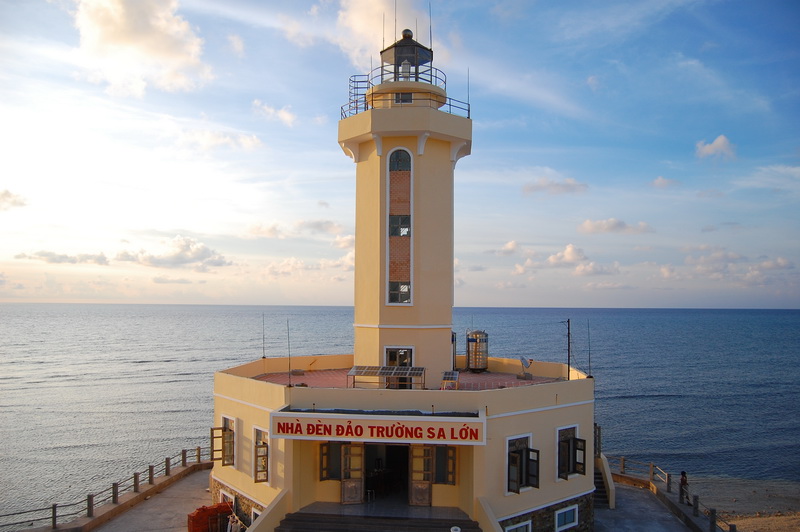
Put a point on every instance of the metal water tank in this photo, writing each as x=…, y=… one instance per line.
x=477, y=351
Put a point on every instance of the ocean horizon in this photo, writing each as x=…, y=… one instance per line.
x=91, y=393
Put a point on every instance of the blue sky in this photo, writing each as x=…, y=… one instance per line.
x=625, y=153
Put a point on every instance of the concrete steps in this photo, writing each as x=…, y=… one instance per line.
x=314, y=522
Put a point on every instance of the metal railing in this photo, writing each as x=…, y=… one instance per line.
x=61, y=513
x=651, y=472
x=360, y=85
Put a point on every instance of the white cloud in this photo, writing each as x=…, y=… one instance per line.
x=721, y=147
x=612, y=225
x=129, y=44
x=51, y=257
x=570, y=255
x=206, y=140
x=344, y=242
x=777, y=177
x=553, y=183
x=319, y=226
x=592, y=268
x=180, y=252
x=593, y=82
x=9, y=200
x=271, y=231
x=169, y=280
x=283, y=115
x=663, y=182
x=236, y=44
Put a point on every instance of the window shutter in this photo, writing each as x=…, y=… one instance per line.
x=216, y=443
x=227, y=447
x=579, y=457
x=533, y=468
x=563, y=459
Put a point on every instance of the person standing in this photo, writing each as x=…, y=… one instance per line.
x=684, y=489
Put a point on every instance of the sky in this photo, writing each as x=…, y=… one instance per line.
x=625, y=153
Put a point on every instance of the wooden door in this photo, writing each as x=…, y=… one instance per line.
x=352, y=473
x=420, y=465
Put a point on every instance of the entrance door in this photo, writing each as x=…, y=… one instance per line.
x=352, y=473
x=402, y=357
x=421, y=475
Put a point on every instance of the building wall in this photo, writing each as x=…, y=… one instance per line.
x=539, y=410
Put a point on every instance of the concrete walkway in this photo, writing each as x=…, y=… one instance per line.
x=637, y=510
x=167, y=511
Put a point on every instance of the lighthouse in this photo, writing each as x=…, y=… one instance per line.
x=404, y=426
x=405, y=136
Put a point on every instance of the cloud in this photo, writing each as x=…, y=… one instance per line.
x=553, y=183
x=571, y=255
x=721, y=147
x=593, y=82
x=169, y=280
x=283, y=115
x=509, y=248
x=129, y=44
x=608, y=286
x=663, y=182
x=777, y=177
x=181, y=252
x=319, y=226
x=9, y=200
x=206, y=140
x=344, y=242
x=236, y=44
x=592, y=268
x=612, y=225
x=51, y=257
x=271, y=231
x=356, y=23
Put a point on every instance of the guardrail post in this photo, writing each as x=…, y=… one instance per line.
x=115, y=492
x=712, y=520
x=136, y=482
x=695, y=505
x=166, y=466
x=199, y=455
x=55, y=516
x=90, y=505
x=151, y=472
x=622, y=465
x=669, y=482
x=183, y=457
x=652, y=470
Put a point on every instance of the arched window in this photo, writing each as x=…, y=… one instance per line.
x=400, y=160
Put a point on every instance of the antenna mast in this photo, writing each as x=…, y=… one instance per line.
x=263, y=339
x=430, y=25
x=289, y=351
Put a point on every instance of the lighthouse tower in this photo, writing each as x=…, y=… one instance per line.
x=405, y=136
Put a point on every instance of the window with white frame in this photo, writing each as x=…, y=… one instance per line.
x=571, y=453
x=523, y=464
x=567, y=518
x=519, y=527
x=223, y=441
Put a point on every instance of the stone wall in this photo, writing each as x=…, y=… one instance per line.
x=243, y=506
x=544, y=518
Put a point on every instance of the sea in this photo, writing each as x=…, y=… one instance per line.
x=90, y=393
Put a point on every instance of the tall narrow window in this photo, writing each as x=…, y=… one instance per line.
x=523, y=465
x=223, y=442
x=444, y=465
x=330, y=461
x=571, y=453
x=399, y=228
x=260, y=456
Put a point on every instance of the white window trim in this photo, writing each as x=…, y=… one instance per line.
x=269, y=456
x=522, y=489
x=254, y=514
x=519, y=527
x=577, y=435
x=235, y=438
x=386, y=354
x=411, y=228
x=564, y=510
x=223, y=494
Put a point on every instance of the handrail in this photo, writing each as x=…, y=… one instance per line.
x=55, y=514
x=651, y=472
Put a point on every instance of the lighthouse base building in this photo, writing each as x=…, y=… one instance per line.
x=404, y=427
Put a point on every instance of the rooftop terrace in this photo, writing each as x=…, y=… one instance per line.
x=339, y=378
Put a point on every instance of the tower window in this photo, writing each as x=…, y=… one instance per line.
x=523, y=465
x=571, y=453
x=399, y=292
x=399, y=225
x=403, y=97
x=400, y=160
